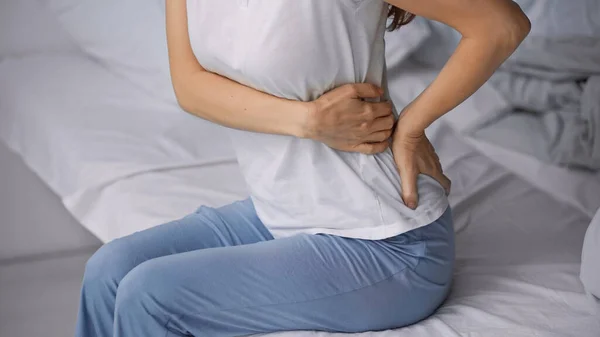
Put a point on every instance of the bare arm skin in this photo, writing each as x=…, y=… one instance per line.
x=491, y=31
x=339, y=118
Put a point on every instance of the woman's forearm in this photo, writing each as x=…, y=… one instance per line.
x=228, y=103
x=491, y=29
x=471, y=65
x=218, y=99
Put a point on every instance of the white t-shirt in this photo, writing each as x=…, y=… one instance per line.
x=300, y=49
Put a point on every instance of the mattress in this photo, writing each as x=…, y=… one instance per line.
x=518, y=246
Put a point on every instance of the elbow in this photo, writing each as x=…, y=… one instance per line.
x=185, y=84
x=520, y=27
x=183, y=99
x=515, y=28
x=184, y=103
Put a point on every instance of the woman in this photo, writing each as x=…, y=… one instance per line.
x=333, y=237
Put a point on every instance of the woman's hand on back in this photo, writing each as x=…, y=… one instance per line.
x=343, y=120
x=414, y=155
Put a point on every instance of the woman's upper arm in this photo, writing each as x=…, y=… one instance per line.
x=181, y=57
x=473, y=17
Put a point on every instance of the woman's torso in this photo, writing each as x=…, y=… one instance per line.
x=300, y=50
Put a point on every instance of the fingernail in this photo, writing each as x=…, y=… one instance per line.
x=412, y=205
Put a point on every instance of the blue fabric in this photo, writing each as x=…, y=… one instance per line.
x=219, y=272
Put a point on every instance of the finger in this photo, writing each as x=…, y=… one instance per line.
x=442, y=179
x=371, y=148
x=365, y=90
x=408, y=179
x=370, y=124
x=383, y=123
x=446, y=183
x=379, y=136
x=376, y=110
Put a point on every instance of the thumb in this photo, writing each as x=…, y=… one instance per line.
x=408, y=180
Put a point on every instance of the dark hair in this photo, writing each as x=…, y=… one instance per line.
x=400, y=17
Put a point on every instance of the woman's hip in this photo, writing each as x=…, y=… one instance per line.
x=430, y=246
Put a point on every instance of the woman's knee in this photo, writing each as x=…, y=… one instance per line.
x=109, y=264
x=148, y=288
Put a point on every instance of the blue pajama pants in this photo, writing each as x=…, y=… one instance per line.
x=219, y=272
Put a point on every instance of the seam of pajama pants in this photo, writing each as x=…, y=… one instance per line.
x=306, y=301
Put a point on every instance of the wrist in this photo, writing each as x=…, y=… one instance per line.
x=302, y=125
x=409, y=124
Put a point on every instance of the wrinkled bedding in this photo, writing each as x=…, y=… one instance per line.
x=550, y=85
x=518, y=247
x=553, y=86
x=520, y=223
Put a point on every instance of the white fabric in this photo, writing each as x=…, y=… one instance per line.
x=300, y=50
x=561, y=19
x=439, y=46
x=550, y=18
x=27, y=27
x=80, y=127
x=149, y=199
x=518, y=248
x=590, y=258
x=127, y=37
x=574, y=187
x=402, y=42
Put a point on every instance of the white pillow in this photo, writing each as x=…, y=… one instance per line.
x=28, y=27
x=80, y=127
x=590, y=258
x=128, y=37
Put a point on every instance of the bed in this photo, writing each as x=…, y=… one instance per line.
x=123, y=159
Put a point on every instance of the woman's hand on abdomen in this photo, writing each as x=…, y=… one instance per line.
x=343, y=120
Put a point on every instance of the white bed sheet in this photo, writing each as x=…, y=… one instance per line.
x=27, y=26
x=518, y=247
x=79, y=127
